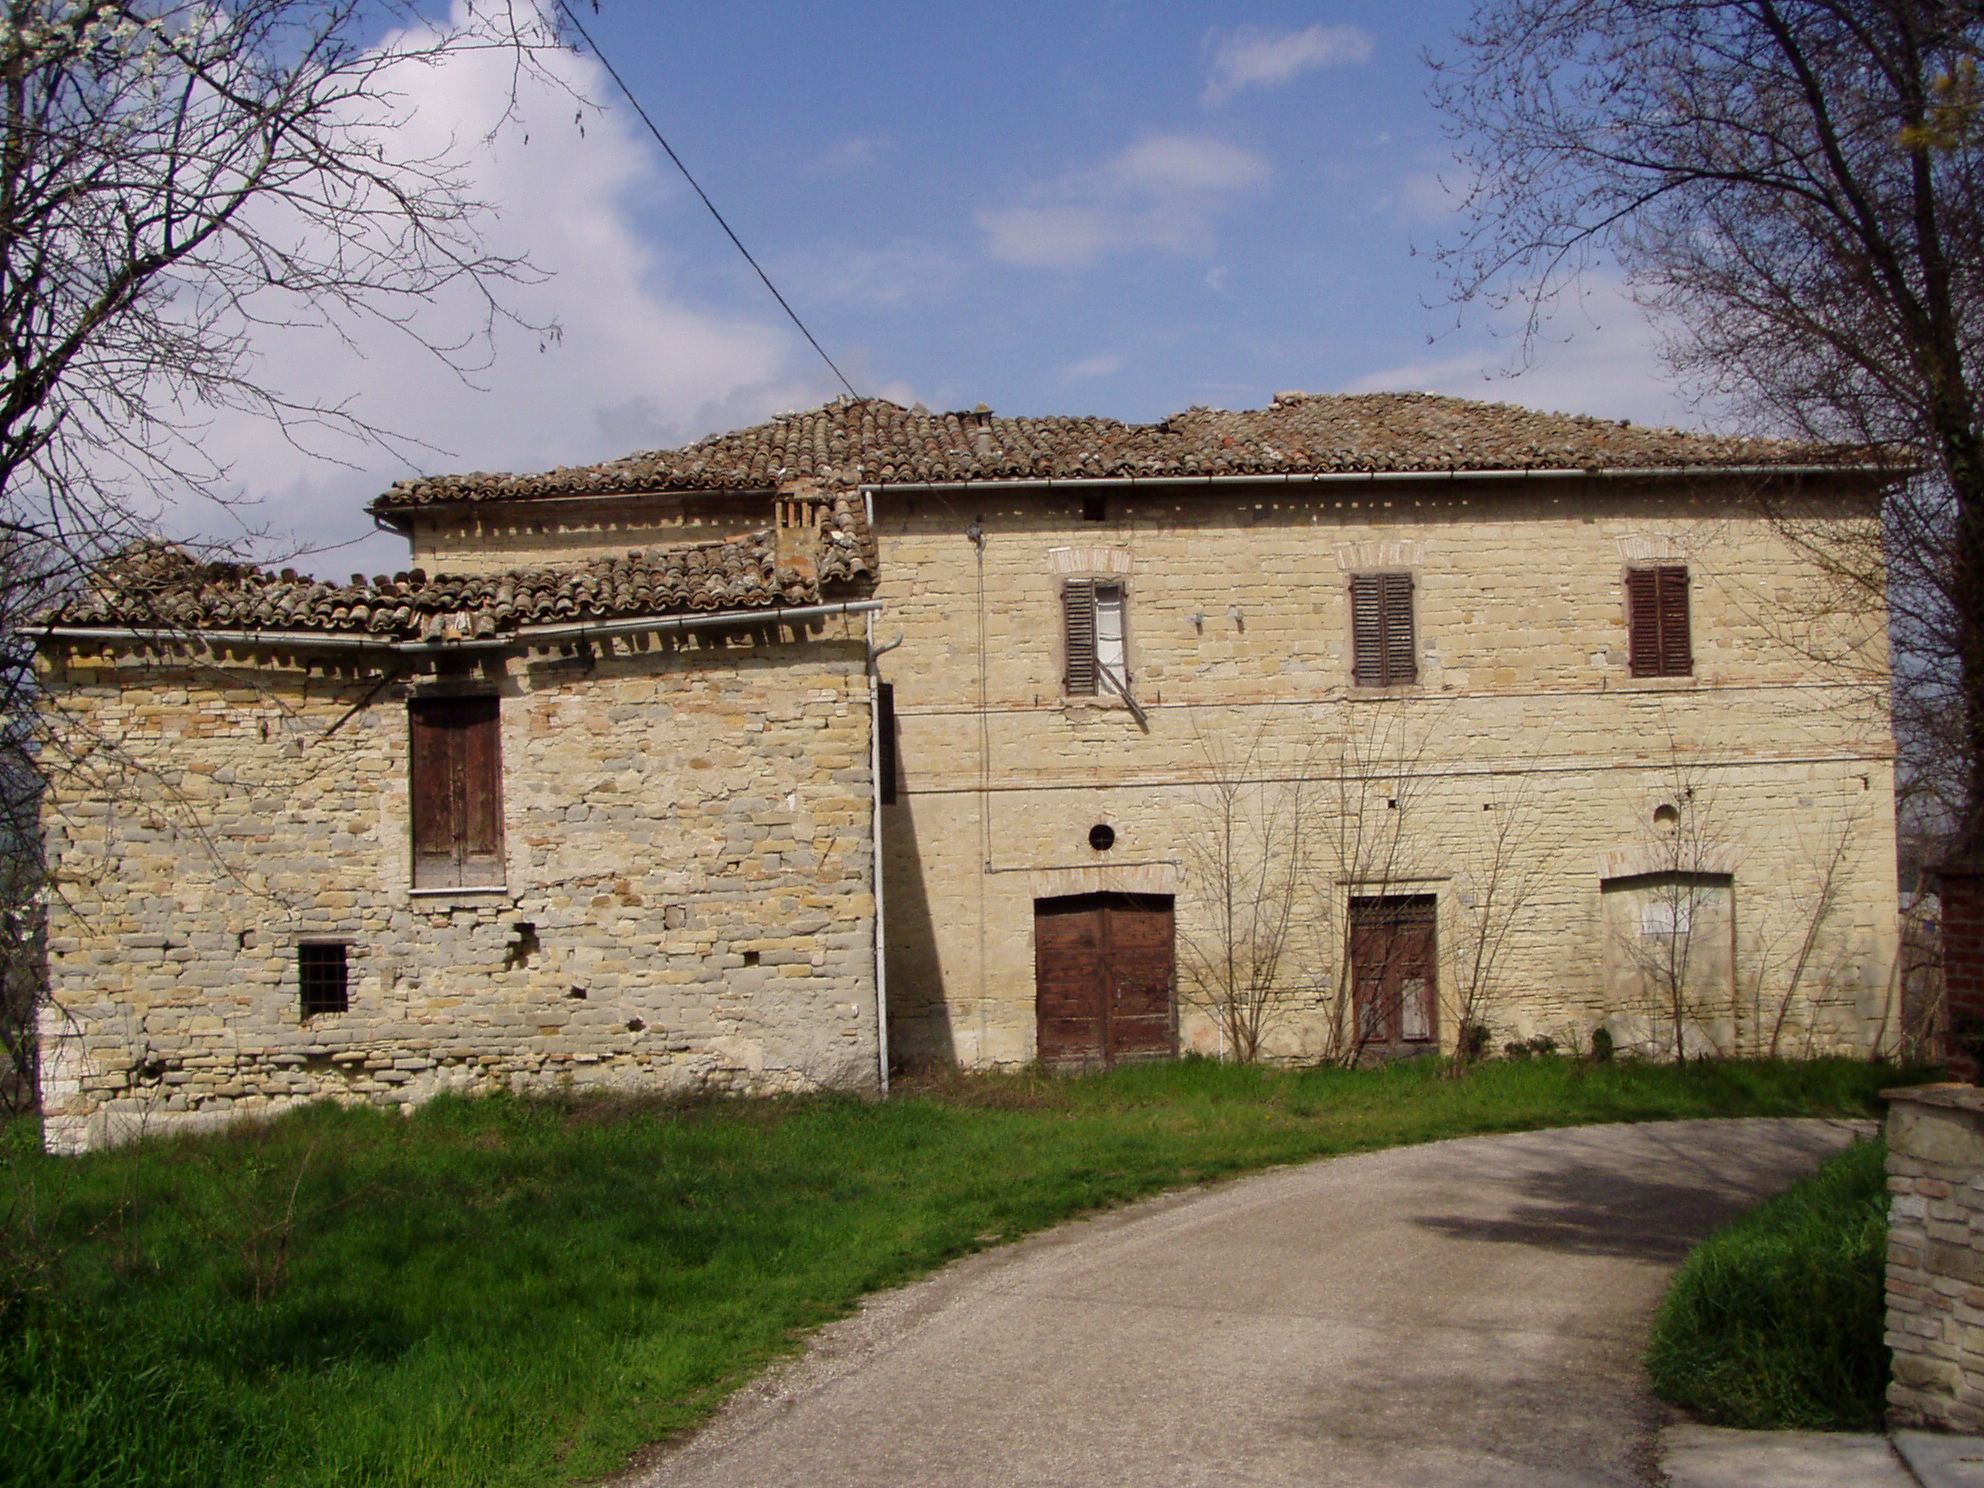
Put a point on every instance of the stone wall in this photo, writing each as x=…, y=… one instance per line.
x=1935, y=1284
x=1524, y=744
x=687, y=900
x=1525, y=747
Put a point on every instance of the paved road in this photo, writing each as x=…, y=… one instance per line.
x=1467, y=1313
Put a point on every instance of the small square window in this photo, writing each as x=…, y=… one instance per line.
x=323, y=976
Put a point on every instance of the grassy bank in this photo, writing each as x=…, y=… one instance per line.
x=1776, y=1320
x=501, y=1292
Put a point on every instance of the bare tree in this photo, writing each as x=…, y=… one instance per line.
x=1249, y=852
x=1492, y=893
x=24, y=588
x=1374, y=780
x=1670, y=923
x=1788, y=959
x=179, y=178
x=1796, y=187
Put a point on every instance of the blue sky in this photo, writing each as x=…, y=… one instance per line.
x=1110, y=208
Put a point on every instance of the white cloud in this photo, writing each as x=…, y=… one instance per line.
x=637, y=364
x=1253, y=58
x=1599, y=355
x=1426, y=197
x=856, y=152
x=904, y=272
x=1103, y=364
x=1164, y=192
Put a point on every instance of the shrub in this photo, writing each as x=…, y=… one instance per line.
x=1775, y=1321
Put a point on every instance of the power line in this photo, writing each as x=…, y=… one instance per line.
x=566, y=10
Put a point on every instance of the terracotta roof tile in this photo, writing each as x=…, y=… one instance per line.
x=158, y=585
x=854, y=441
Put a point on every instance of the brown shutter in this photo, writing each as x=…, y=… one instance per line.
x=1078, y=606
x=1643, y=622
x=481, y=792
x=1676, y=655
x=1401, y=658
x=1658, y=643
x=457, y=792
x=1381, y=641
x=431, y=780
x=1367, y=631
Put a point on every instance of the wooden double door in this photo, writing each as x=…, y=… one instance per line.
x=1105, y=982
x=1393, y=966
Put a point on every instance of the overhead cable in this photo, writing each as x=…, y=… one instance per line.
x=566, y=10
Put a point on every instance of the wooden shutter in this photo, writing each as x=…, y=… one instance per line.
x=1401, y=655
x=1078, y=608
x=457, y=792
x=1383, y=652
x=885, y=737
x=1676, y=651
x=1658, y=642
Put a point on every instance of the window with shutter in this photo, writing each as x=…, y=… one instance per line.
x=1098, y=654
x=1383, y=652
x=1658, y=643
x=457, y=792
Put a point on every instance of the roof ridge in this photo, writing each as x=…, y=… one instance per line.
x=876, y=441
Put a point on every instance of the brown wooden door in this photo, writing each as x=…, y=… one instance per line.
x=1104, y=978
x=1393, y=975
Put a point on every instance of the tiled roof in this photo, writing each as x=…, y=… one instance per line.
x=160, y=586
x=855, y=441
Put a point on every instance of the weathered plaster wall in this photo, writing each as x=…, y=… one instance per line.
x=687, y=835
x=1776, y=752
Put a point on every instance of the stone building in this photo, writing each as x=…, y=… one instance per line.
x=606, y=825
x=1336, y=729
x=1539, y=723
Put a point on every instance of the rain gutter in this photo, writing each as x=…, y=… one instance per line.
x=1378, y=477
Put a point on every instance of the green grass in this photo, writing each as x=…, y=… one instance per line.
x=1775, y=1321
x=500, y=1291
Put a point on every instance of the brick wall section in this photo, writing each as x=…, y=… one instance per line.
x=687, y=835
x=1935, y=1286
x=1963, y=967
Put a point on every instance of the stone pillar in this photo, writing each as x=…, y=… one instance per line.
x=1962, y=891
x=1935, y=1291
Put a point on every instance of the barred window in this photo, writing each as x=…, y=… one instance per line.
x=323, y=978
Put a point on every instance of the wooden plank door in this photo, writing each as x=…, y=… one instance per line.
x=1104, y=979
x=1393, y=975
